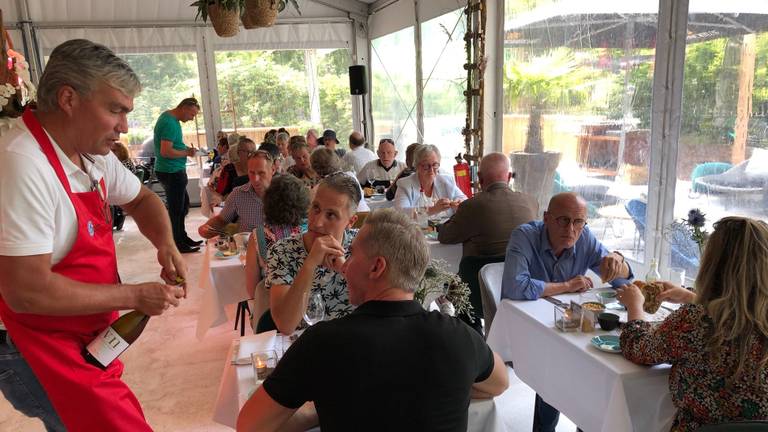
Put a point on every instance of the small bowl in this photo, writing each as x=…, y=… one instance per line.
x=608, y=321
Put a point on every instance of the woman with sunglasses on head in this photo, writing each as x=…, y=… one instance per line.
x=440, y=190
x=718, y=343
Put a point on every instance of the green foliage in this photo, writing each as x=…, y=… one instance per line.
x=202, y=6
x=269, y=88
x=544, y=79
x=166, y=79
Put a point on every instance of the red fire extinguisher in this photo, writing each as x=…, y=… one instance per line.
x=462, y=176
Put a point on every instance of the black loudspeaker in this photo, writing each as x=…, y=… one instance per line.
x=358, y=82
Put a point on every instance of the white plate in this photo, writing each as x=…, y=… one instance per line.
x=220, y=255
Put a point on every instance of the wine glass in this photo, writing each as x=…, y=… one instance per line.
x=315, y=309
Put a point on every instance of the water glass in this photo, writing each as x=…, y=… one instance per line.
x=677, y=276
x=315, y=309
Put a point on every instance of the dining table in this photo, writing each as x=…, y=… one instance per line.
x=597, y=390
x=238, y=384
x=222, y=280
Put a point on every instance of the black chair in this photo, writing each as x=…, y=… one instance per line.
x=242, y=307
x=736, y=426
x=469, y=268
x=265, y=323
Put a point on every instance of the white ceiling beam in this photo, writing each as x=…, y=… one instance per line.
x=353, y=7
x=379, y=5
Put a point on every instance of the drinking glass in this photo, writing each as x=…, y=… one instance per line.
x=315, y=309
x=677, y=276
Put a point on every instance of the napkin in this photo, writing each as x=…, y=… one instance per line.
x=251, y=344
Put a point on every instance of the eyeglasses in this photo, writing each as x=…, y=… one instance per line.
x=564, y=221
x=386, y=140
x=429, y=167
x=261, y=153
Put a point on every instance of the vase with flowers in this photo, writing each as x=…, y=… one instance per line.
x=16, y=88
x=444, y=288
x=687, y=237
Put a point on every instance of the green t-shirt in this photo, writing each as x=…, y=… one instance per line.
x=169, y=128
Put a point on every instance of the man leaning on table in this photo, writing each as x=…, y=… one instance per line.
x=389, y=365
x=551, y=257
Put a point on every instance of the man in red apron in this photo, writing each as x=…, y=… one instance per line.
x=58, y=270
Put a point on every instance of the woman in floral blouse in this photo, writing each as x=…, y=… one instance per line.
x=717, y=345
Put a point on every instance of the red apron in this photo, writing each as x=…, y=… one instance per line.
x=85, y=397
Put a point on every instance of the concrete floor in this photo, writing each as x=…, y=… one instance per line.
x=176, y=377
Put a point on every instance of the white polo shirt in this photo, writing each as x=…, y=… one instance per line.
x=36, y=215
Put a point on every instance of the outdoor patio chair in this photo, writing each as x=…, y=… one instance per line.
x=705, y=169
x=683, y=251
x=490, y=291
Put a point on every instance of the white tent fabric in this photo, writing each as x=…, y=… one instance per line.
x=400, y=15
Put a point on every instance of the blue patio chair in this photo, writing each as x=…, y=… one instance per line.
x=705, y=169
x=684, y=252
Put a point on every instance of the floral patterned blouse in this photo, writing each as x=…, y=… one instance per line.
x=697, y=380
x=285, y=258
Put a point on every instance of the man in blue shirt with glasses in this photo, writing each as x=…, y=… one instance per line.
x=551, y=257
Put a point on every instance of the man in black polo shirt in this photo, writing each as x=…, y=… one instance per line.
x=389, y=365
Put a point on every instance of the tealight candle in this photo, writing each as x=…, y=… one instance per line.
x=261, y=369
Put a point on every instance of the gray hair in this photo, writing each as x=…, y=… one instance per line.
x=297, y=142
x=325, y=161
x=346, y=185
x=83, y=65
x=423, y=151
x=232, y=152
x=282, y=136
x=399, y=240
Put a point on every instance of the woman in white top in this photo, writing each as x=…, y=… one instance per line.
x=440, y=190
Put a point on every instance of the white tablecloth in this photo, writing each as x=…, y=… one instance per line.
x=379, y=202
x=223, y=283
x=209, y=199
x=598, y=391
x=237, y=384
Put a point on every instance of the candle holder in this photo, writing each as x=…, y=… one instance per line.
x=567, y=319
x=264, y=363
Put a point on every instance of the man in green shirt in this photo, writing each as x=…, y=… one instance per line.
x=171, y=168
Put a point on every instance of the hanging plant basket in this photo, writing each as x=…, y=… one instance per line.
x=260, y=13
x=226, y=22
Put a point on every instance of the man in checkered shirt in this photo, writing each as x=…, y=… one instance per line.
x=244, y=204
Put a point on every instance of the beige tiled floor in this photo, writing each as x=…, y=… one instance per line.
x=176, y=377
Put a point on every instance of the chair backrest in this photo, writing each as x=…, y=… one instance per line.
x=705, y=169
x=738, y=426
x=636, y=210
x=469, y=272
x=490, y=291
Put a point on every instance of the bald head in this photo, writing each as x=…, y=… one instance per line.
x=565, y=219
x=494, y=168
x=566, y=200
x=356, y=139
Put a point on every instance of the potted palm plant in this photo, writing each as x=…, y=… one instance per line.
x=224, y=14
x=535, y=85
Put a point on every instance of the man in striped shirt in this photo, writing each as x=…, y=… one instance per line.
x=245, y=204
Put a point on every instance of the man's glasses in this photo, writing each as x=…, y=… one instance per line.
x=429, y=167
x=564, y=221
x=261, y=153
x=386, y=140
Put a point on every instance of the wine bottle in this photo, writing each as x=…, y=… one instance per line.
x=115, y=339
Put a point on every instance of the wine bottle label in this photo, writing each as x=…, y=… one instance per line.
x=107, y=346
